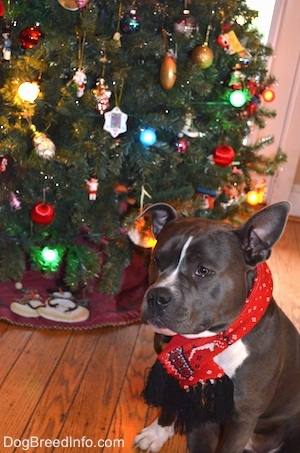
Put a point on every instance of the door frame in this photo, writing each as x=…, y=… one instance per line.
x=285, y=65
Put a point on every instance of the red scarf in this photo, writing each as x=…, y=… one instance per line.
x=192, y=360
x=185, y=374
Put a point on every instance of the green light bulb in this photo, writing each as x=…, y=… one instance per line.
x=49, y=255
x=237, y=98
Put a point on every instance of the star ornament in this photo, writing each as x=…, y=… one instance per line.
x=115, y=122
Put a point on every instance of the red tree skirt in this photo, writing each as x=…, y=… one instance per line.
x=113, y=310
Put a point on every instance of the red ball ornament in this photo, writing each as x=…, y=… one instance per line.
x=223, y=155
x=251, y=108
x=181, y=144
x=42, y=214
x=2, y=9
x=30, y=36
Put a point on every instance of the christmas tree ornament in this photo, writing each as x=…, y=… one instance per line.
x=92, y=187
x=44, y=147
x=231, y=44
x=181, y=144
x=168, y=70
x=237, y=78
x=203, y=56
x=82, y=3
x=14, y=203
x=102, y=96
x=73, y=5
x=130, y=22
x=3, y=163
x=79, y=79
x=117, y=38
x=223, y=155
x=268, y=95
x=2, y=9
x=188, y=129
x=186, y=24
x=252, y=107
x=30, y=36
x=252, y=86
x=147, y=137
x=207, y=197
x=42, y=213
x=78, y=82
x=116, y=120
x=6, y=46
x=117, y=35
x=29, y=91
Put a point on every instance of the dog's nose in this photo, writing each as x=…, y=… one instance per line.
x=159, y=296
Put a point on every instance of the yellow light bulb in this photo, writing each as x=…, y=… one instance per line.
x=28, y=91
x=252, y=197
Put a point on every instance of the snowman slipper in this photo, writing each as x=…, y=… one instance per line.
x=28, y=306
x=62, y=307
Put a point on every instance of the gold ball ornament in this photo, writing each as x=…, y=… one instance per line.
x=203, y=56
x=168, y=71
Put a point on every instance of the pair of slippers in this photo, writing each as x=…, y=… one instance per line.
x=60, y=307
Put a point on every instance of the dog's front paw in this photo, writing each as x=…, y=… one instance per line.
x=153, y=437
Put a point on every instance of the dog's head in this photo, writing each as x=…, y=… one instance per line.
x=201, y=270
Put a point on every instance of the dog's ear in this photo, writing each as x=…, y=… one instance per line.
x=261, y=232
x=161, y=213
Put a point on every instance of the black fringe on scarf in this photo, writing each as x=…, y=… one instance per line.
x=200, y=404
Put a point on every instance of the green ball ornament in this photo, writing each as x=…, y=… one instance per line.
x=203, y=56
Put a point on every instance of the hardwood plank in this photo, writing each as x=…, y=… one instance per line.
x=57, y=398
x=96, y=399
x=13, y=340
x=27, y=380
x=131, y=412
x=285, y=267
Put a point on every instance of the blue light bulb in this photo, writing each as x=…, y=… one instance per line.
x=148, y=137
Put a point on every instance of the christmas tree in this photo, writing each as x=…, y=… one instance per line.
x=109, y=105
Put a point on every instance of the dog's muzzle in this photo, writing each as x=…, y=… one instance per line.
x=158, y=297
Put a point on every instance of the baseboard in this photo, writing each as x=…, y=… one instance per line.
x=295, y=200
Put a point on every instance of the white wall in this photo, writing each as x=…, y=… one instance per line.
x=265, y=10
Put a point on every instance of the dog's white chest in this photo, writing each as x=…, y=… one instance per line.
x=232, y=357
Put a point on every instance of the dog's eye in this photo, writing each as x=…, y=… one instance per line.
x=155, y=261
x=203, y=271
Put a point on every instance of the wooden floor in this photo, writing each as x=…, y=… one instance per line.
x=84, y=387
